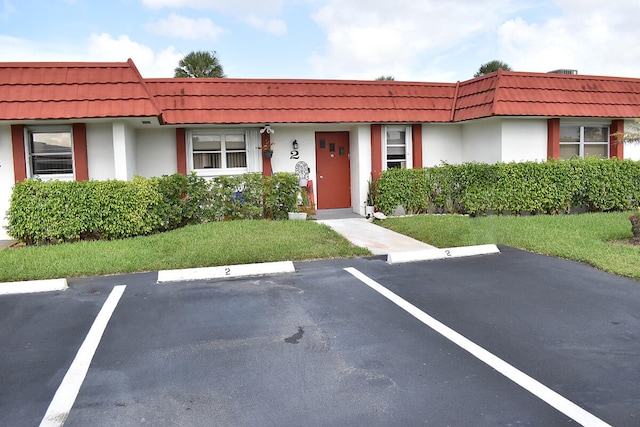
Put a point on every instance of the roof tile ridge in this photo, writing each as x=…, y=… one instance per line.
x=454, y=102
x=254, y=80
x=62, y=64
x=133, y=67
x=498, y=76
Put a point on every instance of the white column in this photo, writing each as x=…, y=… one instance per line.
x=124, y=151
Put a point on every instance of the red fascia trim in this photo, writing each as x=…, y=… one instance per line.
x=19, y=158
x=616, y=142
x=416, y=136
x=80, y=159
x=181, y=150
x=553, y=138
x=376, y=151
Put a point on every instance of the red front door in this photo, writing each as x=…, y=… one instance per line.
x=332, y=166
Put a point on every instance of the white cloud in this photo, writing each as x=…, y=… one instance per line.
x=425, y=40
x=103, y=47
x=253, y=7
x=164, y=64
x=584, y=35
x=159, y=4
x=273, y=26
x=99, y=47
x=182, y=27
x=260, y=14
x=366, y=38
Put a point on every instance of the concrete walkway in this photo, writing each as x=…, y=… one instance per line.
x=378, y=240
x=7, y=243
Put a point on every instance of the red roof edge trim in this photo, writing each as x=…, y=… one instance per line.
x=143, y=83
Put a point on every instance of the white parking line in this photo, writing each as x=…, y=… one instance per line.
x=66, y=394
x=538, y=389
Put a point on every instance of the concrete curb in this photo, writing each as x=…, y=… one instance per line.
x=223, y=272
x=33, y=286
x=434, y=254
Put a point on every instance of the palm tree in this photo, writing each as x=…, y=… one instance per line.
x=492, y=66
x=383, y=77
x=199, y=64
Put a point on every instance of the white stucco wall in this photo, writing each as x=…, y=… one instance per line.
x=360, y=152
x=155, y=152
x=100, y=154
x=481, y=141
x=524, y=140
x=632, y=151
x=283, y=153
x=6, y=177
x=130, y=136
x=441, y=143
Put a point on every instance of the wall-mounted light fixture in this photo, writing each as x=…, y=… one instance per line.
x=295, y=144
x=267, y=129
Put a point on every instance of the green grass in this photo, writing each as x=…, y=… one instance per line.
x=220, y=243
x=597, y=239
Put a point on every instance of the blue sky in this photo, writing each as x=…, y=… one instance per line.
x=416, y=40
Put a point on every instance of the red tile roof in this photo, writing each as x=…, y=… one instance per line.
x=299, y=101
x=43, y=91
x=549, y=95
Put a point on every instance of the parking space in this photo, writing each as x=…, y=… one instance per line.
x=40, y=336
x=320, y=347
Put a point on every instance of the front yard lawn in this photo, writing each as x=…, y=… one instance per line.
x=212, y=244
x=599, y=239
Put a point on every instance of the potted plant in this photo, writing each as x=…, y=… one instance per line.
x=305, y=207
x=267, y=150
x=372, y=188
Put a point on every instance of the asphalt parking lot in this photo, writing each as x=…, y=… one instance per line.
x=322, y=346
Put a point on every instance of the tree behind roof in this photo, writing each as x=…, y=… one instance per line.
x=200, y=64
x=492, y=66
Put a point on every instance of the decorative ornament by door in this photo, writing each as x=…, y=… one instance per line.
x=302, y=170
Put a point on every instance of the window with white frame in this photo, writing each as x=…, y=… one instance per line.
x=49, y=151
x=396, y=147
x=219, y=150
x=584, y=141
x=224, y=151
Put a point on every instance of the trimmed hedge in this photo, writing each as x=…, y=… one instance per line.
x=530, y=187
x=56, y=211
x=51, y=212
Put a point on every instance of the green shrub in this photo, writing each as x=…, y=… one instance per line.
x=236, y=197
x=516, y=188
x=172, y=207
x=52, y=212
x=55, y=211
x=280, y=195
